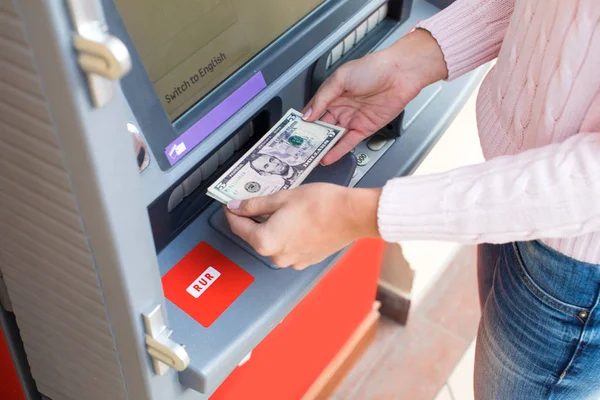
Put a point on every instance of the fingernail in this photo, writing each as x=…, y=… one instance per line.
x=234, y=204
x=307, y=114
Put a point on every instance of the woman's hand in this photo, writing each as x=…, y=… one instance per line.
x=365, y=94
x=307, y=224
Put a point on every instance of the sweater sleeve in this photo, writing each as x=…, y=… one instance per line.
x=470, y=32
x=547, y=192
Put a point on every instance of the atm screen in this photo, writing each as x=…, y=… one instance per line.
x=188, y=47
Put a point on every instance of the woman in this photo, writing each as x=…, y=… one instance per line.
x=537, y=197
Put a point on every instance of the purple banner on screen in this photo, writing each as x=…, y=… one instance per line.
x=211, y=121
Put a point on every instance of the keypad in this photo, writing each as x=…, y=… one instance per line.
x=362, y=159
x=376, y=143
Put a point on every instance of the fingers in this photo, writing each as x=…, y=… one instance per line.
x=261, y=238
x=285, y=261
x=300, y=267
x=257, y=206
x=255, y=234
x=329, y=118
x=244, y=227
x=346, y=144
x=281, y=261
x=330, y=90
x=305, y=111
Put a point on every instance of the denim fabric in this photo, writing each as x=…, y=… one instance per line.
x=539, y=335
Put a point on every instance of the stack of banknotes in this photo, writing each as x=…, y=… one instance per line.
x=281, y=159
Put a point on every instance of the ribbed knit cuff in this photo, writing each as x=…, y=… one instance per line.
x=469, y=33
x=413, y=208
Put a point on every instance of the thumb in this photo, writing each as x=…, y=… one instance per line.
x=256, y=206
x=330, y=90
x=345, y=145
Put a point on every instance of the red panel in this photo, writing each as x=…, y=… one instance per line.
x=290, y=359
x=205, y=283
x=10, y=388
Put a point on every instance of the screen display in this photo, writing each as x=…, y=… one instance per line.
x=188, y=47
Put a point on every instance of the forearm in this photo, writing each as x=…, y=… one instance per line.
x=452, y=42
x=547, y=192
x=470, y=32
x=419, y=57
x=362, y=205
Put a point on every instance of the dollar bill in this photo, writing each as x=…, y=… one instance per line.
x=281, y=159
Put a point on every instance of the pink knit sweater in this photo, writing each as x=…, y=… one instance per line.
x=538, y=113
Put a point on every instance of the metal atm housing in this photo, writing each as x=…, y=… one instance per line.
x=88, y=227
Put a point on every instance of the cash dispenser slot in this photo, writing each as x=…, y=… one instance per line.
x=187, y=198
x=339, y=173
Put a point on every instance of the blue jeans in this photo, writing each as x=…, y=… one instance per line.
x=539, y=335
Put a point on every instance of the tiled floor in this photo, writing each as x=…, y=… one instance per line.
x=415, y=362
x=460, y=384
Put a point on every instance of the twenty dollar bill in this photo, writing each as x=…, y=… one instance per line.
x=281, y=159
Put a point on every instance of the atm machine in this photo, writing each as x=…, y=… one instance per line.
x=102, y=241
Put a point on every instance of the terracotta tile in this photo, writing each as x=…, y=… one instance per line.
x=453, y=302
x=387, y=334
x=444, y=394
x=416, y=366
x=461, y=379
x=414, y=362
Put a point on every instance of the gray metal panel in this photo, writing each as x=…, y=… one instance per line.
x=76, y=253
x=4, y=299
x=99, y=163
x=44, y=254
x=217, y=350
